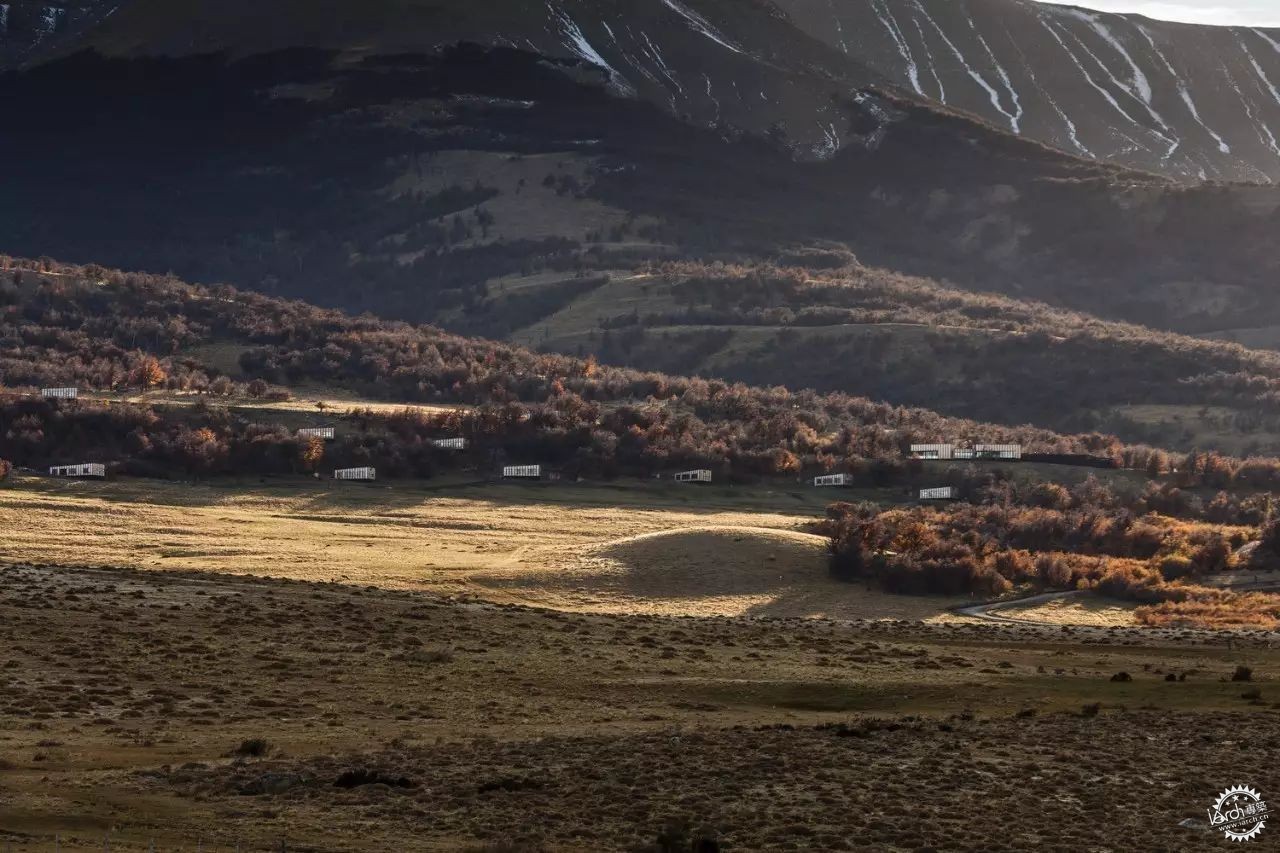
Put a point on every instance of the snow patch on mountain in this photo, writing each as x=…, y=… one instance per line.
x=969, y=69
x=1183, y=91
x=700, y=24
x=577, y=43
x=900, y=40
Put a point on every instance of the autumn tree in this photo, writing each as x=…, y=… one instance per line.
x=310, y=452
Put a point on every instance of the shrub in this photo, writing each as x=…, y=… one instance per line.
x=1175, y=566
x=253, y=748
x=1242, y=673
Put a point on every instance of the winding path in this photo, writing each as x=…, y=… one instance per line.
x=988, y=610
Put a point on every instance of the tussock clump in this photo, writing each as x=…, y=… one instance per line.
x=253, y=748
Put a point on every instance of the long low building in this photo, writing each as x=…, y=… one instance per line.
x=942, y=493
x=355, y=474
x=522, y=472
x=978, y=451
x=60, y=393
x=833, y=480
x=998, y=451
x=449, y=443
x=702, y=475
x=88, y=469
x=327, y=433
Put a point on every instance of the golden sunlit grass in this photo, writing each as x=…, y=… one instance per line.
x=719, y=570
x=540, y=544
x=1083, y=610
x=320, y=402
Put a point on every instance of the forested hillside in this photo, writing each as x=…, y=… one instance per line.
x=95, y=329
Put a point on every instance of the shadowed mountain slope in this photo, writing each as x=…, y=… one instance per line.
x=1191, y=102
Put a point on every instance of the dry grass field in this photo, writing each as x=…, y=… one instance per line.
x=210, y=711
x=623, y=547
x=1083, y=610
x=308, y=405
x=477, y=666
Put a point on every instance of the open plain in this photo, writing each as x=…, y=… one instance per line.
x=471, y=666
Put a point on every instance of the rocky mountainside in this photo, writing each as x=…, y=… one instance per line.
x=710, y=62
x=1190, y=102
x=1183, y=100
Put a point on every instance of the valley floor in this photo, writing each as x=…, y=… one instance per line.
x=214, y=711
x=464, y=664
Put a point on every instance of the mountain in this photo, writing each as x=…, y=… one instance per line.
x=423, y=176
x=1183, y=100
x=1190, y=102
x=735, y=64
x=488, y=188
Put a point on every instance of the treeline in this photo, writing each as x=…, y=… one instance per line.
x=567, y=434
x=208, y=440
x=1048, y=537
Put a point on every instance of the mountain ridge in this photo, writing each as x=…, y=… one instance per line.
x=1191, y=102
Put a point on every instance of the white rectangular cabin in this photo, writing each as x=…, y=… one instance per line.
x=700, y=476
x=327, y=433
x=522, y=472
x=998, y=451
x=450, y=443
x=943, y=493
x=89, y=469
x=833, y=480
x=932, y=451
x=964, y=453
x=355, y=474
x=60, y=393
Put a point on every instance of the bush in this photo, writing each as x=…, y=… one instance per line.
x=1175, y=566
x=253, y=748
x=1242, y=673
x=6, y=468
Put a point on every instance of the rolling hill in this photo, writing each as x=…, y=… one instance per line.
x=186, y=377
x=909, y=341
